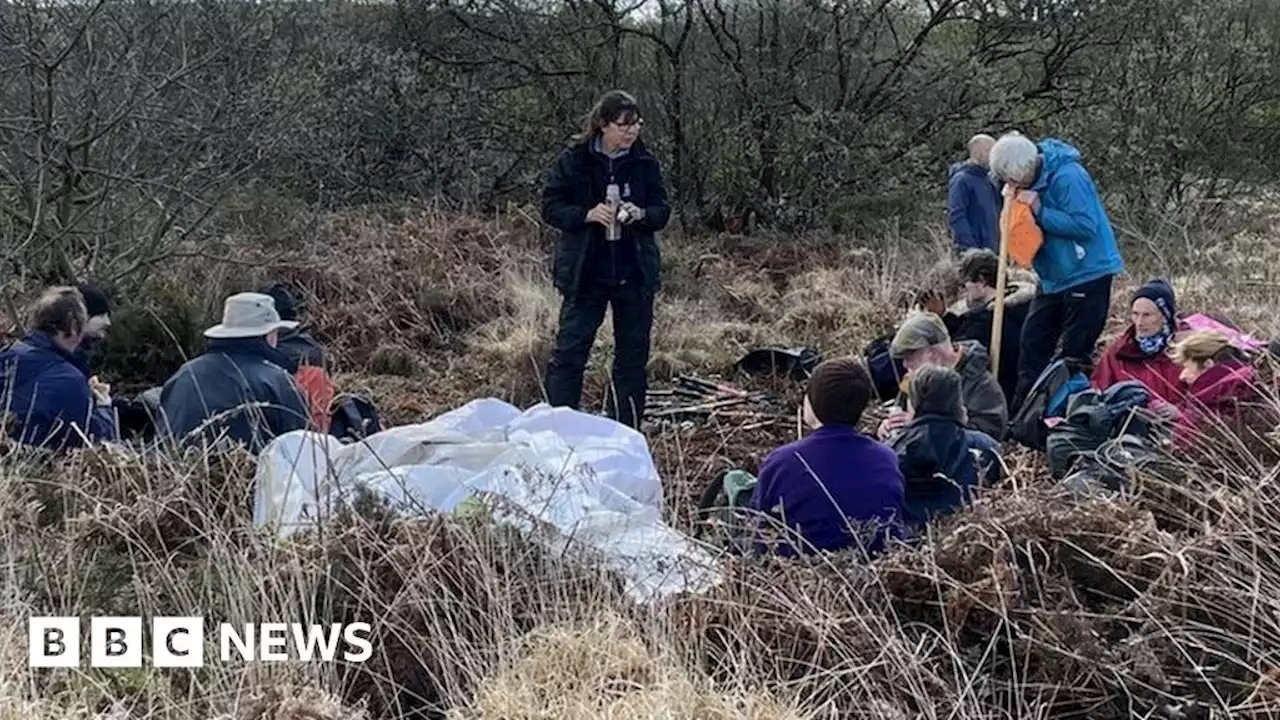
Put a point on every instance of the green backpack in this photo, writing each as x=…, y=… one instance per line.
x=723, y=500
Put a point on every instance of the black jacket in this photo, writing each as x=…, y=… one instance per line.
x=299, y=348
x=941, y=461
x=975, y=323
x=577, y=183
x=223, y=383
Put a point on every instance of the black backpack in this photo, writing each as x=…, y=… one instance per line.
x=1047, y=398
x=886, y=372
x=354, y=418
x=796, y=363
x=1094, y=418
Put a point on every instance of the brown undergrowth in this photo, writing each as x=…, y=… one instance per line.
x=1160, y=602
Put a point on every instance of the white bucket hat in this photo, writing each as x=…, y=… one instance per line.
x=248, y=315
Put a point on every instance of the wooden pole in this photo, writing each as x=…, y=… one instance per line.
x=1002, y=277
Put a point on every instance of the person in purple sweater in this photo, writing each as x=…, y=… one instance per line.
x=836, y=488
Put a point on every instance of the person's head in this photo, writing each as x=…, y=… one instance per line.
x=1199, y=351
x=978, y=270
x=1153, y=311
x=923, y=340
x=980, y=149
x=1015, y=159
x=246, y=316
x=99, y=309
x=615, y=118
x=837, y=393
x=60, y=314
x=286, y=304
x=936, y=390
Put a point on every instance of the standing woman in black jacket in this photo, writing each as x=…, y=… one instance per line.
x=605, y=195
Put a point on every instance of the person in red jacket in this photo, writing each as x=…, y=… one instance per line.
x=1141, y=353
x=1218, y=379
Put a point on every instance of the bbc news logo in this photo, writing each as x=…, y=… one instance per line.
x=179, y=642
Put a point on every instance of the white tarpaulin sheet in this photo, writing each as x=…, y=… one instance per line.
x=588, y=478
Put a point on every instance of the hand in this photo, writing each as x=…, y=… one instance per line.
x=931, y=301
x=601, y=214
x=101, y=391
x=897, y=420
x=634, y=213
x=1030, y=197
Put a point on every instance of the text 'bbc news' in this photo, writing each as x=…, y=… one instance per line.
x=180, y=642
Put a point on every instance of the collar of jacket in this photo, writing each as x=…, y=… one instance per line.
x=252, y=347
x=638, y=151
x=44, y=341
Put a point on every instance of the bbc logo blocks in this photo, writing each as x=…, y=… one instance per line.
x=53, y=642
x=116, y=642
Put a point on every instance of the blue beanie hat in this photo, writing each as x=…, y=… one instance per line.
x=1160, y=293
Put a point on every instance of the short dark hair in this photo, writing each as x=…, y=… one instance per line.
x=936, y=390
x=979, y=265
x=287, y=306
x=59, y=310
x=839, y=391
x=612, y=106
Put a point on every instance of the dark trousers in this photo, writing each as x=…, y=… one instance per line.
x=581, y=315
x=1076, y=317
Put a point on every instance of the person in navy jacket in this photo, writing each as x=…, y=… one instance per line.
x=942, y=461
x=592, y=272
x=45, y=383
x=240, y=390
x=836, y=488
x=974, y=200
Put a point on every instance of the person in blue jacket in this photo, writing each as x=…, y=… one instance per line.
x=974, y=200
x=45, y=384
x=1079, y=258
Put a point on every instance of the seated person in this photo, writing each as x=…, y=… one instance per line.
x=1217, y=378
x=95, y=330
x=306, y=357
x=939, y=458
x=239, y=387
x=828, y=485
x=1141, y=352
x=974, y=316
x=131, y=416
x=923, y=340
x=46, y=389
x=296, y=343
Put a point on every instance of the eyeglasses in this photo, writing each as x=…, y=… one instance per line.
x=634, y=125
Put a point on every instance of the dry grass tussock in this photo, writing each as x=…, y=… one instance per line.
x=607, y=669
x=1159, y=603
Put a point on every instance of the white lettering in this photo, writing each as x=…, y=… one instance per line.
x=268, y=639
x=349, y=634
x=243, y=643
x=315, y=635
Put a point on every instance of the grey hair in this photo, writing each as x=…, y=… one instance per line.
x=1014, y=156
x=936, y=390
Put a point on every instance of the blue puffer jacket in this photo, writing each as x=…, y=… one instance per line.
x=47, y=391
x=237, y=389
x=1079, y=244
x=973, y=207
